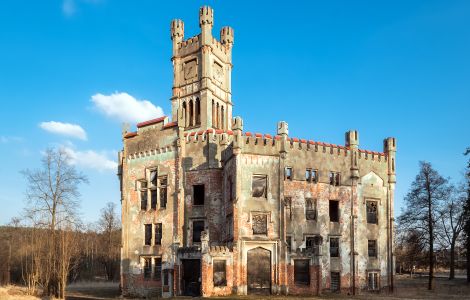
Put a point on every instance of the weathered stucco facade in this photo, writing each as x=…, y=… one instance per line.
x=208, y=208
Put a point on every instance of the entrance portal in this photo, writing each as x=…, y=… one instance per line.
x=191, y=277
x=259, y=271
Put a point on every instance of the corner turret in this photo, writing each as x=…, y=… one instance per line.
x=227, y=36
x=390, y=148
x=206, y=21
x=352, y=141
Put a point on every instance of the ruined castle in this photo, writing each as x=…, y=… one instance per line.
x=210, y=209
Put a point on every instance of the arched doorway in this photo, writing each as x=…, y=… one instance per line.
x=259, y=271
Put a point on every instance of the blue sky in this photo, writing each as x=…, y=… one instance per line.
x=396, y=68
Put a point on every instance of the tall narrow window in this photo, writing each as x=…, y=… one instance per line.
x=153, y=177
x=191, y=113
x=214, y=125
x=372, y=248
x=147, y=268
x=158, y=233
x=198, y=194
x=153, y=199
x=163, y=191
x=308, y=175
x=185, y=117
x=230, y=227
x=371, y=207
x=334, y=210
x=143, y=195
x=219, y=277
x=230, y=188
x=334, y=247
x=217, y=117
x=373, y=280
x=335, y=178
x=157, y=273
x=289, y=243
x=148, y=234
x=310, y=210
x=314, y=176
x=301, y=271
x=258, y=186
x=335, y=282
x=198, y=112
x=198, y=227
x=288, y=173
x=222, y=119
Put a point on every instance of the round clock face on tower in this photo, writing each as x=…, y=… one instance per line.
x=218, y=73
x=190, y=69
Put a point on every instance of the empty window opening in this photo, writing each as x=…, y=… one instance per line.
x=312, y=244
x=334, y=247
x=373, y=281
x=260, y=224
x=213, y=114
x=198, y=111
x=314, y=176
x=143, y=200
x=217, y=117
x=191, y=113
x=229, y=227
x=222, y=118
x=302, y=271
x=157, y=273
x=198, y=194
x=335, y=178
x=153, y=199
x=162, y=189
x=230, y=188
x=288, y=173
x=147, y=268
x=220, y=274
x=148, y=234
x=334, y=211
x=198, y=227
x=258, y=186
x=153, y=177
x=372, y=248
x=371, y=207
x=165, y=277
x=158, y=234
x=185, y=120
x=310, y=209
x=308, y=175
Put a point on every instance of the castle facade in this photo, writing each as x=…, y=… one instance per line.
x=209, y=209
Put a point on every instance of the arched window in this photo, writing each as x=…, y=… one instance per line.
x=191, y=113
x=184, y=114
x=198, y=112
x=213, y=114
x=222, y=119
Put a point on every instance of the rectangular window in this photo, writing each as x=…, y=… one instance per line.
x=198, y=194
x=373, y=281
x=153, y=199
x=158, y=234
x=372, y=248
x=165, y=277
x=289, y=243
x=198, y=227
x=312, y=244
x=314, y=176
x=153, y=177
x=301, y=271
x=157, y=273
x=148, y=234
x=163, y=183
x=147, y=268
x=334, y=247
x=220, y=273
x=258, y=186
x=230, y=189
x=334, y=211
x=310, y=210
x=308, y=175
x=260, y=224
x=335, y=178
x=371, y=207
x=288, y=173
x=143, y=195
x=335, y=282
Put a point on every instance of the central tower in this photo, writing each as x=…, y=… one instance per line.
x=202, y=68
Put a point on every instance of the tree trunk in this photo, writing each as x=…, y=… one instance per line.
x=468, y=260
x=431, y=244
x=452, y=260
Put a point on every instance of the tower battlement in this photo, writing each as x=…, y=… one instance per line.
x=177, y=30
x=227, y=36
x=206, y=16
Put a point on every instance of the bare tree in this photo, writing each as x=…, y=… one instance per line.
x=52, y=195
x=109, y=228
x=451, y=224
x=427, y=191
x=466, y=228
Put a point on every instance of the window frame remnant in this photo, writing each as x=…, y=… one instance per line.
x=335, y=178
x=310, y=209
x=289, y=243
x=372, y=212
x=219, y=277
x=335, y=281
x=147, y=269
x=373, y=283
x=157, y=271
x=333, y=210
x=163, y=190
x=334, y=246
x=259, y=224
x=199, y=194
x=158, y=233
x=288, y=173
x=143, y=189
x=259, y=186
x=302, y=271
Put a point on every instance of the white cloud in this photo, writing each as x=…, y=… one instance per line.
x=69, y=7
x=126, y=108
x=90, y=159
x=67, y=129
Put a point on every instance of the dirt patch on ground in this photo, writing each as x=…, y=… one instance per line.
x=12, y=292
